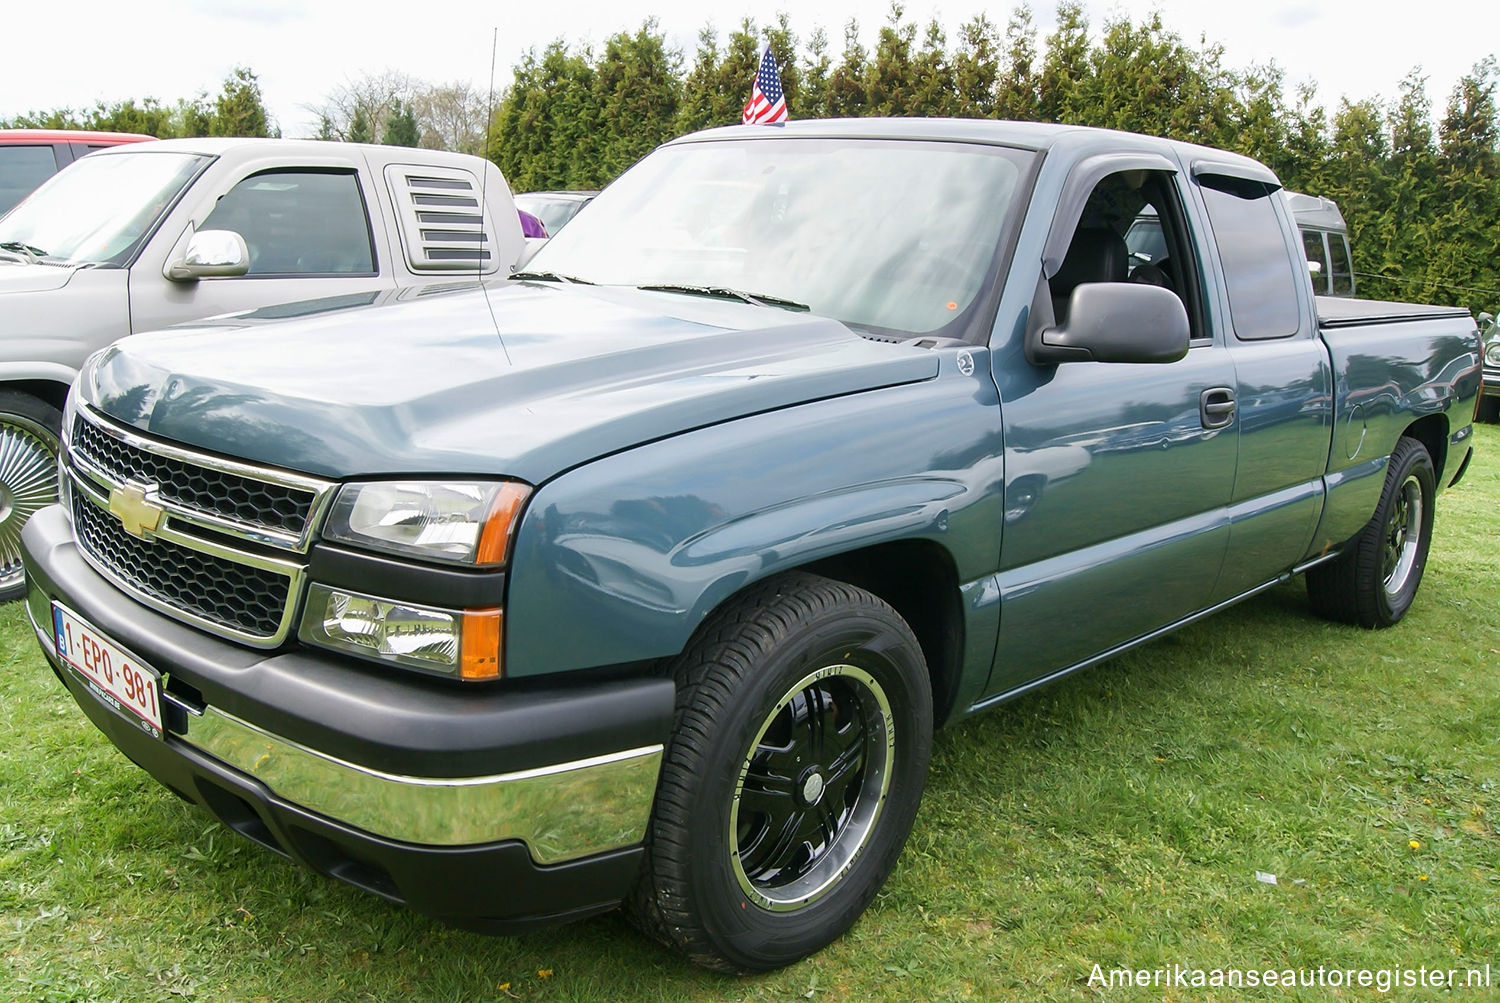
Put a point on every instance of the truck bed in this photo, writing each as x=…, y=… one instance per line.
x=1340, y=311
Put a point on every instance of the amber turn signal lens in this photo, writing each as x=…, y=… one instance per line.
x=482, y=633
x=500, y=523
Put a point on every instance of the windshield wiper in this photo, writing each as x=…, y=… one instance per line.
x=16, y=247
x=724, y=292
x=549, y=277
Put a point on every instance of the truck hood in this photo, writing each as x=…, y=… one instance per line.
x=534, y=380
x=24, y=277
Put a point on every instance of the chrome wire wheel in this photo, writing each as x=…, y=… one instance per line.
x=1403, y=536
x=28, y=481
x=811, y=787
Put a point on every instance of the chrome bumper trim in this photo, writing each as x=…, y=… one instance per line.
x=561, y=812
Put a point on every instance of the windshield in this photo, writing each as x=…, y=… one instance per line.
x=100, y=208
x=885, y=235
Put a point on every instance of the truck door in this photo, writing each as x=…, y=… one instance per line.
x=1283, y=377
x=1117, y=476
x=308, y=230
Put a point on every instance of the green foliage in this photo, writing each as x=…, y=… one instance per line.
x=637, y=80
x=238, y=111
x=359, y=128
x=401, y=127
x=546, y=132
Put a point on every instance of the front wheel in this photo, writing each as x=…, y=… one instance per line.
x=798, y=757
x=1373, y=583
x=29, y=430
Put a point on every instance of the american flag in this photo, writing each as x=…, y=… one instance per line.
x=767, y=105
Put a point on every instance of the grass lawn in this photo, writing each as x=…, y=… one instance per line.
x=1118, y=818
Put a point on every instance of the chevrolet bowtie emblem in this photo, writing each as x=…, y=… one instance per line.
x=139, y=517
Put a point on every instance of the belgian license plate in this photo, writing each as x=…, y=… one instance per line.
x=116, y=678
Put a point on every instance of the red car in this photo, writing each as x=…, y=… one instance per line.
x=30, y=156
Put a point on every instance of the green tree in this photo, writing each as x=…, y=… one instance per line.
x=359, y=130
x=401, y=127
x=888, y=78
x=1067, y=71
x=1016, y=92
x=933, y=88
x=547, y=131
x=846, y=84
x=699, y=104
x=976, y=69
x=813, y=99
x=638, y=82
x=239, y=109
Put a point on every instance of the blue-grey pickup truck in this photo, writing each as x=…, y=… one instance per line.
x=644, y=576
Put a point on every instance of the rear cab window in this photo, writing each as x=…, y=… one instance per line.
x=1260, y=273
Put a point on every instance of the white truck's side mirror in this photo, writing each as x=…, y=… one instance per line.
x=1314, y=268
x=211, y=253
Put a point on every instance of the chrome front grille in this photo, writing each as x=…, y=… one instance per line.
x=277, y=507
x=227, y=550
x=241, y=598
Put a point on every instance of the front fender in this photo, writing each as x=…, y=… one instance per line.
x=620, y=560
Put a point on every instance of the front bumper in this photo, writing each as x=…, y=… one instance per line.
x=494, y=807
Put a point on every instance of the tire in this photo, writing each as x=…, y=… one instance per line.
x=1373, y=582
x=799, y=752
x=29, y=430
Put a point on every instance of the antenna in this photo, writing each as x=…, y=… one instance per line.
x=484, y=178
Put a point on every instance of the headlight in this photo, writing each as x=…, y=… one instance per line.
x=1492, y=354
x=464, y=644
x=457, y=522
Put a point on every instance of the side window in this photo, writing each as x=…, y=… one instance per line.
x=1133, y=229
x=1258, y=268
x=299, y=223
x=1343, y=272
x=22, y=169
x=1312, y=246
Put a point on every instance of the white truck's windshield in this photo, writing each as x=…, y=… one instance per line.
x=98, y=210
x=894, y=236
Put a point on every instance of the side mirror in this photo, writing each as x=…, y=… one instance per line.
x=211, y=253
x=1314, y=268
x=1115, y=322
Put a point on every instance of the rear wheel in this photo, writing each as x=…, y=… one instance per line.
x=1373, y=583
x=799, y=753
x=28, y=477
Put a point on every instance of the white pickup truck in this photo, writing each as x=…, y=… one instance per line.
x=149, y=235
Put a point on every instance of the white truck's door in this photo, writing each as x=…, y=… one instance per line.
x=309, y=228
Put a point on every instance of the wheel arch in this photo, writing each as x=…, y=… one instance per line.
x=1432, y=432
x=919, y=580
x=51, y=391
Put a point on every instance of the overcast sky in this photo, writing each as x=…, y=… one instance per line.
x=72, y=53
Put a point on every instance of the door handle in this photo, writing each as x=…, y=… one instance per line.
x=1216, y=407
